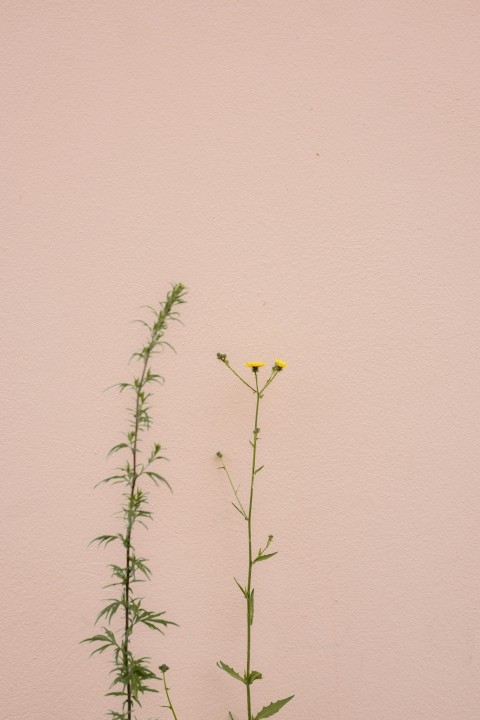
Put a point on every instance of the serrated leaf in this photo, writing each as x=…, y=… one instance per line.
x=111, y=636
x=230, y=671
x=100, y=639
x=254, y=675
x=152, y=619
x=265, y=557
x=272, y=709
x=109, y=611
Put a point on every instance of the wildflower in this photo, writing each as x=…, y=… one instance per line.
x=254, y=364
x=279, y=364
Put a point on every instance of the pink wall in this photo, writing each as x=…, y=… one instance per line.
x=310, y=170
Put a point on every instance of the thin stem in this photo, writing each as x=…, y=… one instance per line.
x=240, y=377
x=168, y=696
x=270, y=379
x=249, y=593
x=129, y=532
x=235, y=491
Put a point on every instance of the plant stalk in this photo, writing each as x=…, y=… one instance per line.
x=168, y=695
x=129, y=535
x=250, y=608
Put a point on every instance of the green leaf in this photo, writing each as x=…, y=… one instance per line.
x=115, y=478
x=230, y=671
x=272, y=709
x=254, y=675
x=251, y=607
x=152, y=619
x=108, y=640
x=242, y=589
x=109, y=611
x=156, y=478
x=140, y=564
x=96, y=638
x=118, y=447
x=258, y=469
x=265, y=557
x=111, y=636
x=153, y=377
x=104, y=539
x=121, y=385
x=155, y=454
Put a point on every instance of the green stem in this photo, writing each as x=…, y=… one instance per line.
x=250, y=560
x=168, y=696
x=235, y=490
x=272, y=377
x=240, y=377
x=128, y=537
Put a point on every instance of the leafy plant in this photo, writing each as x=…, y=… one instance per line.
x=132, y=675
x=249, y=676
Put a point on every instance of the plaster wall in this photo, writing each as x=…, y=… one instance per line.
x=310, y=171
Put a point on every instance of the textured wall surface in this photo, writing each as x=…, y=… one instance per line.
x=309, y=168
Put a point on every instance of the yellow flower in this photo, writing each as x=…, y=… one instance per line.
x=279, y=364
x=254, y=364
